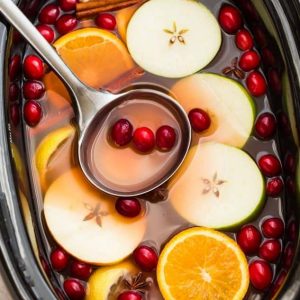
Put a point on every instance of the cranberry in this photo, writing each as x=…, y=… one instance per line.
x=45, y=266
x=128, y=207
x=249, y=239
x=14, y=67
x=268, y=57
x=256, y=84
x=15, y=114
x=121, y=132
x=274, y=187
x=13, y=92
x=250, y=60
x=288, y=255
x=33, y=90
x=273, y=228
x=33, y=67
x=290, y=164
x=46, y=31
x=143, y=139
x=199, y=119
x=65, y=24
x=130, y=295
x=260, y=35
x=278, y=283
x=244, y=40
x=275, y=81
x=32, y=113
x=292, y=231
x=269, y=165
x=49, y=14
x=81, y=270
x=74, y=289
x=230, y=19
x=146, y=258
x=165, y=138
x=250, y=11
x=261, y=274
x=270, y=250
x=59, y=259
x=265, y=126
x=67, y=5
x=106, y=21
x=291, y=186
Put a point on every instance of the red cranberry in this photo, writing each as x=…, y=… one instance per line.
x=59, y=259
x=46, y=31
x=244, y=40
x=49, y=14
x=270, y=250
x=143, y=139
x=273, y=228
x=230, y=19
x=265, y=126
x=65, y=24
x=260, y=35
x=261, y=274
x=128, y=207
x=106, y=21
x=284, y=123
x=292, y=231
x=199, y=119
x=250, y=11
x=146, y=258
x=269, y=165
x=290, y=164
x=249, y=239
x=81, y=270
x=288, y=255
x=274, y=80
x=250, y=60
x=121, y=132
x=165, y=138
x=274, y=187
x=15, y=114
x=45, y=266
x=13, y=92
x=291, y=186
x=14, y=67
x=278, y=283
x=74, y=289
x=256, y=84
x=33, y=67
x=268, y=57
x=130, y=295
x=67, y=5
x=33, y=90
x=32, y=113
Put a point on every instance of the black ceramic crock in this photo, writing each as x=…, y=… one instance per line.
x=24, y=267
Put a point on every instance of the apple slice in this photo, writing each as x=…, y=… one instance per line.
x=85, y=223
x=218, y=186
x=173, y=38
x=229, y=105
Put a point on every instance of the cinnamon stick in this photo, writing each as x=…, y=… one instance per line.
x=95, y=4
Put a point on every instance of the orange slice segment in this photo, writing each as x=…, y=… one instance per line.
x=201, y=263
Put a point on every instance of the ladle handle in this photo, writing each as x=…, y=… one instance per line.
x=15, y=16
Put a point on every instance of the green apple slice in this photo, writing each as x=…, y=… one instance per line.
x=229, y=105
x=218, y=186
x=173, y=38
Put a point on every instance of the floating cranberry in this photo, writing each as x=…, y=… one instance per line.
x=291, y=186
x=14, y=67
x=261, y=274
x=268, y=57
x=250, y=11
x=265, y=126
x=74, y=289
x=128, y=207
x=278, y=283
x=67, y=5
x=288, y=256
x=260, y=35
x=244, y=40
x=65, y=24
x=274, y=187
x=130, y=295
x=290, y=164
x=32, y=113
x=13, y=92
x=59, y=259
x=274, y=80
x=249, y=239
x=230, y=19
x=165, y=138
x=46, y=31
x=45, y=266
x=143, y=139
x=121, y=132
x=49, y=14
x=106, y=21
x=33, y=90
x=270, y=250
x=146, y=258
x=273, y=228
x=15, y=114
x=250, y=60
x=292, y=231
x=270, y=165
x=81, y=270
x=256, y=84
x=199, y=119
x=33, y=67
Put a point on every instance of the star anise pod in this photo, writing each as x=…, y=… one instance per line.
x=159, y=194
x=234, y=70
x=137, y=283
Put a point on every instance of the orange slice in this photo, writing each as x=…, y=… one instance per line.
x=95, y=55
x=201, y=263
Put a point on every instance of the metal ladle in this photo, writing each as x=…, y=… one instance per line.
x=93, y=105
